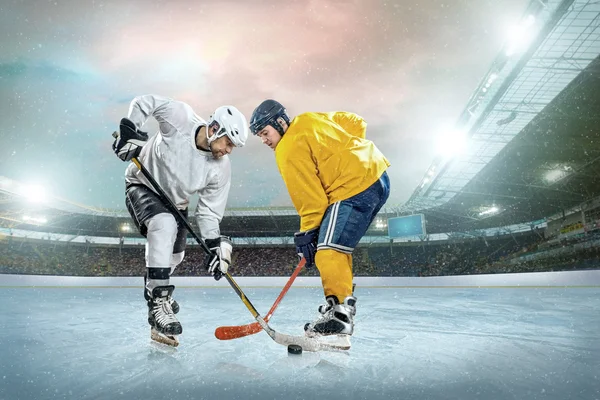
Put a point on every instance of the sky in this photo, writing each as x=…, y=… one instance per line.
x=69, y=69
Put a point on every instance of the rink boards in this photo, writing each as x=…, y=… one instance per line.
x=588, y=278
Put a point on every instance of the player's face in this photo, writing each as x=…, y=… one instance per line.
x=221, y=146
x=269, y=136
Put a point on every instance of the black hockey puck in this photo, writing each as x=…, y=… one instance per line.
x=294, y=349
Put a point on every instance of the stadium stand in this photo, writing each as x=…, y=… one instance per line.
x=522, y=253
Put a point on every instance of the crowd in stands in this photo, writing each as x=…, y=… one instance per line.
x=522, y=253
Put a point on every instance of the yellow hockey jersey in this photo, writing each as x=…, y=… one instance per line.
x=324, y=158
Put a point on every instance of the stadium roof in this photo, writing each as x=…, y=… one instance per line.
x=531, y=152
x=551, y=166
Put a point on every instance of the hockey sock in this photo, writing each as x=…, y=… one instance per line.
x=336, y=273
x=157, y=277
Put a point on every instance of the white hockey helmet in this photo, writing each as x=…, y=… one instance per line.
x=231, y=122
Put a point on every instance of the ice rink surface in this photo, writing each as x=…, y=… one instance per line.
x=424, y=343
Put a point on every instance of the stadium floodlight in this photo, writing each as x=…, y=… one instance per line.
x=452, y=143
x=125, y=228
x=35, y=220
x=520, y=36
x=380, y=224
x=34, y=193
x=489, y=211
x=558, y=173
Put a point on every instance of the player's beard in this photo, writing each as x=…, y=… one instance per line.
x=215, y=153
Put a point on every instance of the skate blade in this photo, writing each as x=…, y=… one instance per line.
x=164, y=339
x=341, y=342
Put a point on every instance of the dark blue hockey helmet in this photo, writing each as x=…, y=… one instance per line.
x=267, y=113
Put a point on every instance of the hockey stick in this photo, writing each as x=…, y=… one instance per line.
x=308, y=344
x=167, y=202
x=236, y=332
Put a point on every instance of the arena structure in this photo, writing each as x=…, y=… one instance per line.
x=523, y=167
x=492, y=294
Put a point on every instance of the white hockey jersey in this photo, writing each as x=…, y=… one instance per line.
x=177, y=165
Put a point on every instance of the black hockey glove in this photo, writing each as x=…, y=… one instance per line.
x=306, y=245
x=129, y=142
x=220, y=259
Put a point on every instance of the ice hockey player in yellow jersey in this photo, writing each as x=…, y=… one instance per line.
x=337, y=181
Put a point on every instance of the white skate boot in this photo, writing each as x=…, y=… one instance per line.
x=336, y=324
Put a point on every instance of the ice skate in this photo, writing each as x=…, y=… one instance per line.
x=161, y=316
x=174, y=304
x=336, y=324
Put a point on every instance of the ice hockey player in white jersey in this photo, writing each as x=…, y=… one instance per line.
x=187, y=156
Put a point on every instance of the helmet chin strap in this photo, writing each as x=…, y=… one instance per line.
x=210, y=139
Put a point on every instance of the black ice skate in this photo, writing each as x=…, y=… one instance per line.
x=161, y=316
x=174, y=304
x=336, y=324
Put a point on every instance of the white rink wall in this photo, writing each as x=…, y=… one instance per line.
x=532, y=279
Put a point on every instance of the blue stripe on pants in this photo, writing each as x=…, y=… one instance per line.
x=346, y=222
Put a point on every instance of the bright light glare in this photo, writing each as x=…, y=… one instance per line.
x=489, y=211
x=520, y=36
x=125, y=228
x=34, y=193
x=452, y=143
x=36, y=220
x=557, y=174
x=380, y=224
